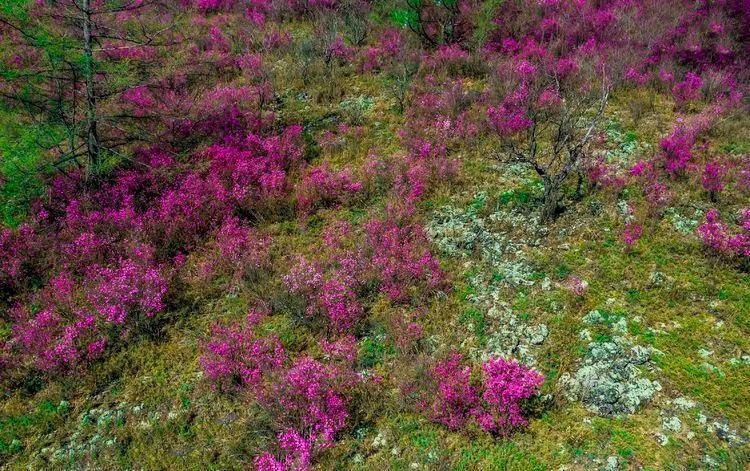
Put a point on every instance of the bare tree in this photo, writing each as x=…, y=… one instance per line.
x=60, y=76
x=438, y=22
x=548, y=121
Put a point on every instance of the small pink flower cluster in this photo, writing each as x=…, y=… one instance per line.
x=389, y=46
x=717, y=236
x=239, y=252
x=322, y=187
x=394, y=258
x=606, y=175
x=401, y=259
x=631, y=234
x=495, y=404
x=70, y=322
x=507, y=121
x=677, y=149
x=333, y=295
x=140, y=99
x=236, y=357
x=688, y=90
x=577, y=286
x=713, y=178
x=131, y=287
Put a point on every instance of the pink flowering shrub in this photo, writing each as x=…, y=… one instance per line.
x=305, y=278
x=311, y=396
x=18, y=251
x=134, y=286
x=631, y=234
x=71, y=321
x=677, y=149
x=507, y=121
x=718, y=236
x=308, y=401
x=506, y=384
x=391, y=258
x=389, y=47
x=401, y=260
x=140, y=99
x=237, y=254
x=295, y=449
x=340, y=303
x=605, y=175
x=495, y=403
x=456, y=399
x=54, y=339
x=688, y=90
x=322, y=187
x=242, y=248
x=235, y=357
x=713, y=232
x=713, y=178
x=332, y=295
x=577, y=286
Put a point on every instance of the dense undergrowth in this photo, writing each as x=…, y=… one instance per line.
x=352, y=235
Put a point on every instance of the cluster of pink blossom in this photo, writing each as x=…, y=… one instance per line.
x=394, y=258
x=402, y=260
x=77, y=320
x=577, y=286
x=507, y=121
x=238, y=252
x=688, y=90
x=713, y=178
x=606, y=175
x=131, y=286
x=718, y=236
x=631, y=234
x=140, y=99
x=333, y=294
x=495, y=403
x=307, y=399
x=456, y=399
x=236, y=357
x=677, y=149
x=390, y=45
x=322, y=187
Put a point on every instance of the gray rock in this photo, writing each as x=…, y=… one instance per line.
x=672, y=424
x=609, y=380
x=684, y=403
x=613, y=463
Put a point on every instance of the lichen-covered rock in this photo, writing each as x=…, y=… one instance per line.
x=463, y=233
x=508, y=335
x=672, y=424
x=459, y=233
x=610, y=380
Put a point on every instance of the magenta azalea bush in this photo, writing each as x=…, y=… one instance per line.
x=495, y=403
x=719, y=237
x=235, y=357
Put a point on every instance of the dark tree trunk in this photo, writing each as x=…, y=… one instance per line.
x=92, y=136
x=551, y=199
